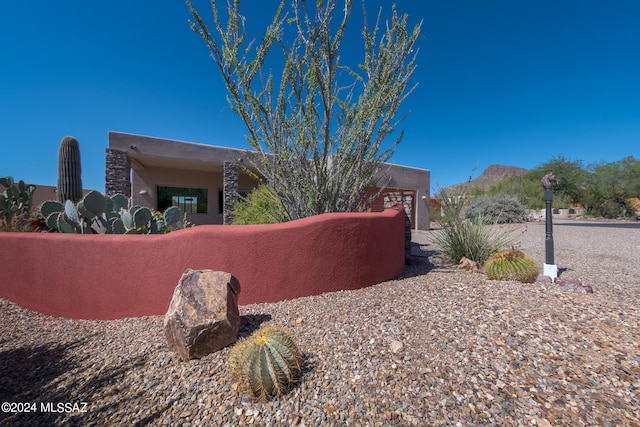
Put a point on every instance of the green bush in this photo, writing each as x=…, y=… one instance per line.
x=16, y=205
x=608, y=209
x=473, y=240
x=21, y=222
x=500, y=209
x=261, y=206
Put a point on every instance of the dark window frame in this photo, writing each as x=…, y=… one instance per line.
x=165, y=195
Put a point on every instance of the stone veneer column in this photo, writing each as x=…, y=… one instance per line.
x=407, y=236
x=117, y=173
x=406, y=200
x=231, y=176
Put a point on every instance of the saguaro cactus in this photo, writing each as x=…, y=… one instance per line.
x=69, y=170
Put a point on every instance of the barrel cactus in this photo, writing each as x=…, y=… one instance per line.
x=512, y=265
x=69, y=170
x=267, y=363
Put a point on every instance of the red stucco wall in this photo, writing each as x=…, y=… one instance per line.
x=117, y=276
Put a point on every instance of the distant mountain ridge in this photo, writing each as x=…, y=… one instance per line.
x=491, y=175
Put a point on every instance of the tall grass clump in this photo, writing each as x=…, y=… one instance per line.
x=462, y=237
x=471, y=239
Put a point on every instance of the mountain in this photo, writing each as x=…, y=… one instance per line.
x=491, y=175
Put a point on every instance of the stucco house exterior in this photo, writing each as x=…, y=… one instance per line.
x=199, y=178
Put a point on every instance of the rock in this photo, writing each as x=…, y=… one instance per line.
x=544, y=279
x=574, y=285
x=396, y=346
x=541, y=422
x=468, y=265
x=203, y=316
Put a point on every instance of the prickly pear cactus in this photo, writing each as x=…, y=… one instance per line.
x=172, y=216
x=512, y=265
x=98, y=214
x=15, y=199
x=267, y=363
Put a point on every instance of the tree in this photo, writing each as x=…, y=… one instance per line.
x=529, y=191
x=573, y=178
x=318, y=131
x=611, y=186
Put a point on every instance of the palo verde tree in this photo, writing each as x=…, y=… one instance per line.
x=317, y=129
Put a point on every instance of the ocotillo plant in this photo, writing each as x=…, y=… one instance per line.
x=69, y=170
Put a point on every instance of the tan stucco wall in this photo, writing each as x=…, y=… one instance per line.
x=44, y=193
x=418, y=180
x=145, y=181
x=180, y=159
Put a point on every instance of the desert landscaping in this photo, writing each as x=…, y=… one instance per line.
x=438, y=346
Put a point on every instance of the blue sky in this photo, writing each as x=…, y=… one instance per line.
x=499, y=81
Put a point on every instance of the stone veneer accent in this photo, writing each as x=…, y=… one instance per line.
x=118, y=173
x=407, y=236
x=231, y=176
x=406, y=200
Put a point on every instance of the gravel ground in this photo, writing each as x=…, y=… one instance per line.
x=437, y=347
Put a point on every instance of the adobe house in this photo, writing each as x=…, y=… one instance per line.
x=200, y=178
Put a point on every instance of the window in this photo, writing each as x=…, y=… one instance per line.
x=189, y=200
x=187, y=204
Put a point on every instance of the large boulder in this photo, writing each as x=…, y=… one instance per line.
x=203, y=316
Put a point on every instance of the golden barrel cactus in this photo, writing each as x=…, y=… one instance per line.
x=512, y=265
x=267, y=363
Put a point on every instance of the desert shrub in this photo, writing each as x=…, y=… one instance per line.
x=452, y=202
x=261, y=206
x=500, y=209
x=470, y=239
x=608, y=209
x=319, y=127
x=16, y=210
x=21, y=222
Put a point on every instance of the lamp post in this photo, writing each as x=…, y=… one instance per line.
x=550, y=268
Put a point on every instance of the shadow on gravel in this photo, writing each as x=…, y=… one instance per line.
x=26, y=372
x=153, y=418
x=249, y=323
x=53, y=379
x=420, y=263
x=418, y=267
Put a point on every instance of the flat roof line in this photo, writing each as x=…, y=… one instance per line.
x=239, y=150
x=181, y=141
